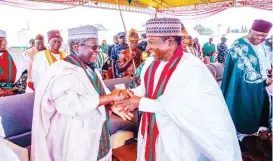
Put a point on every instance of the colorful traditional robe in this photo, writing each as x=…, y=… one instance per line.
x=40, y=63
x=192, y=119
x=12, y=66
x=243, y=84
x=67, y=124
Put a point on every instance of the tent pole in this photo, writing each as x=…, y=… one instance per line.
x=156, y=13
x=122, y=19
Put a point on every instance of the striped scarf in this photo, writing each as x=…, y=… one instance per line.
x=148, y=123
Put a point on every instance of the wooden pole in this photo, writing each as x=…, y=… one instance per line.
x=122, y=19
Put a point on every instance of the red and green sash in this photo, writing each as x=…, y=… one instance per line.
x=105, y=145
x=148, y=123
x=8, y=71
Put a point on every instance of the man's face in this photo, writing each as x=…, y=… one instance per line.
x=88, y=52
x=256, y=37
x=3, y=44
x=32, y=44
x=122, y=40
x=157, y=47
x=185, y=39
x=39, y=45
x=55, y=43
x=104, y=42
x=223, y=40
x=134, y=44
x=210, y=40
x=115, y=39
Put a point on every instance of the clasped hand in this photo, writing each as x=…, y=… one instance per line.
x=124, y=102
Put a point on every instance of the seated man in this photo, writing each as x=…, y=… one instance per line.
x=45, y=58
x=13, y=67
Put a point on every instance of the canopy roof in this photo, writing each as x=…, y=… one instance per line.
x=160, y=3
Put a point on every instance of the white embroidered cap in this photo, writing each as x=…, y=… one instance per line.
x=82, y=32
x=3, y=33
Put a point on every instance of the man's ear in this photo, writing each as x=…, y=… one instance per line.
x=76, y=47
x=171, y=41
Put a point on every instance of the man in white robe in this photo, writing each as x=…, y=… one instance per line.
x=13, y=68
x=71, y=108
x=31, y=52
x=45, y=58
x=185, y=117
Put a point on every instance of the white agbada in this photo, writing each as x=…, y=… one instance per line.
x=192, y=117
x=19, y=61
x=39, y=66
x=67, y=124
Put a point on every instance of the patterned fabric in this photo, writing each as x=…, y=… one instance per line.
x=264, y=56
x=242, y=80
x=14, y=88
x=104, y=145
x=163, y=27
x=21, y=84
x=102, y=58
x=222, y=52
x=116, y=50
x=82, y=32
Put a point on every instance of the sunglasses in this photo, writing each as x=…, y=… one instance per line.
x=93, y=47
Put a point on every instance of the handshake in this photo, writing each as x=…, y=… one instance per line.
x=124, y=103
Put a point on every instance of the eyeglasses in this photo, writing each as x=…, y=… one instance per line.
x=94, y=47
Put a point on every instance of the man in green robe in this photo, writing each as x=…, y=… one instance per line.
x=209, y=50
x=246, y=76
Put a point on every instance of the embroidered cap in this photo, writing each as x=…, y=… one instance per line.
x=83, y=32
x=3, y=34
x=163, y=27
